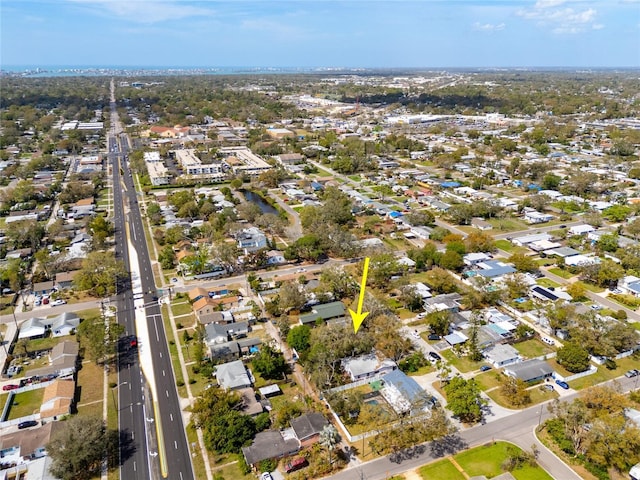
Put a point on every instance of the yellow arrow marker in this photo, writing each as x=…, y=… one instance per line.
x=358, y=317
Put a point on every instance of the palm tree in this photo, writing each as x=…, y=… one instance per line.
x=329, y=438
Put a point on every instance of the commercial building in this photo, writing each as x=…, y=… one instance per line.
x=193, y=166
x=242, y=160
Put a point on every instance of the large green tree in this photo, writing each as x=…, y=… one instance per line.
x=573, y=357
x=77, y=451
x=464, y=399
x=100, y=273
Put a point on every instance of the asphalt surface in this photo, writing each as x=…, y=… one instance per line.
x=134, y=458
x=517, y=428
x=176, y=449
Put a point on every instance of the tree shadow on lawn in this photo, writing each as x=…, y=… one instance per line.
x=448, y=445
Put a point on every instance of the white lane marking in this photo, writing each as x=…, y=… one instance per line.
x=160, y=354
x=134, y=467
x=175, y=443
x=155, y=323
x=132, y=436
x=167, y=392
x=163, y=373
x=171, y=416
x=181, y=476
x=131, y=408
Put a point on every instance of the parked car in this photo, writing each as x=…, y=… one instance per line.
x=547, y=386
x=57, y=303
x=266, y=476
x=45, y=301
x=632, y=373
x=434, y=336
x=295, y=464
x=563, y=384
x=174, y=279
x=27, y=424
x=10, y=387
x=37, y=303
x=485, y=368
x=415, y=334
x=435, y=357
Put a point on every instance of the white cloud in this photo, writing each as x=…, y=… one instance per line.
x=488, y=27
x=144, y=11
x=559, y=18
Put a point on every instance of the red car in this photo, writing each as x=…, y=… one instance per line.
x=10, y=387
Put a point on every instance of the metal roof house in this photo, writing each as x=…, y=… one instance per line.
x=233, y=375
x=529, y=370
x=324, y=312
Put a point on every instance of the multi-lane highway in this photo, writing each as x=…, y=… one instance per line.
x=169, y=457
x=131, y=395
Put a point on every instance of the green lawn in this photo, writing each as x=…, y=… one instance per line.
x=487, y=460
x=488, y=380
x=507, y=224
x=532, y=348
x=26, y=403
x=505, y=245
x=561, y=273
x=461, y=363
x=603, y=374
x=591, y=287
x=545, y=282
x=441, y=470
x=90, y=383
x=484, y=460
x=181, y=308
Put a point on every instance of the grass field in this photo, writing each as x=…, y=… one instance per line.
x=90, y=383
x=561, y=273
x=488, y=380
x=26, y=403
x=443, y=469
x=461, y=363
x=532, y=348
x=181, y=308
x=484, y=460
x=505, y=245
x=545, y=282
x=603, y=374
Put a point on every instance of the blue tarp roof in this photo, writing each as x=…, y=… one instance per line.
x=449, y=184
x=395, y=214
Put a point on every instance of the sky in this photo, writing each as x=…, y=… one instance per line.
x=321, y=33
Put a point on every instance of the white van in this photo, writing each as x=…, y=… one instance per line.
x=548, y=341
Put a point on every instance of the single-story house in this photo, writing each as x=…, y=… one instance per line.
x=307, y=427
x=581, y=260
x=501, y=355
x=29, y=444
x=63, y=361
x=562, y=252
x=530, y=370
x=366, y=366
x=404, y=394
x=43, y=288
x=524, y=240
x=64, y=280
x=33, y=328
x=233, y=375
x=271, y=444
x=64, y=324
x=580, y=229
x=493, y=269
x=545, y=294
x=324, y=312
x=58, y=399
x=534, y=217
x=219, y=317
x=234, y=349
x=456, y=338
x=481, y=224
x=221, y=333
x=474, y=258
x=250, y=404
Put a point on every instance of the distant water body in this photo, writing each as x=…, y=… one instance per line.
x=130, y=71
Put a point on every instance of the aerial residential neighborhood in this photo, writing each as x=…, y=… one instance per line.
x=182, y=282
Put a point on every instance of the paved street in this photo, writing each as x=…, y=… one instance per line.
x=517, y=428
